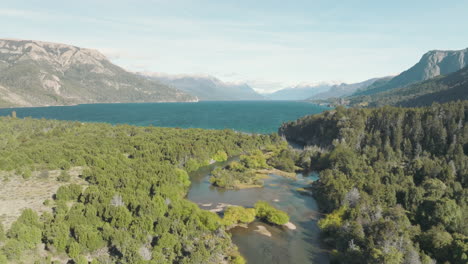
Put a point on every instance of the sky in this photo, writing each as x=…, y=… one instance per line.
x=267, y=44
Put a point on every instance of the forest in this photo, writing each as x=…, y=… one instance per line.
x=393, y=181
x=133, y=207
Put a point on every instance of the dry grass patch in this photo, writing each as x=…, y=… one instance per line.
x=17, y=193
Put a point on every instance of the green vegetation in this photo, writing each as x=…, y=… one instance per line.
x=270, y=214
x=393, y=180
x=220, y=156
x=238, y=215
x=249, y=171
x=133, y=209
x=264, y=211
x=231, y=178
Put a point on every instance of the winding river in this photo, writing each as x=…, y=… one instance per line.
x=299, y=246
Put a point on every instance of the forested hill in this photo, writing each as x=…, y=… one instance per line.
x=441, y=89
x=394, y=181
x=36, y=73
x=133, y=208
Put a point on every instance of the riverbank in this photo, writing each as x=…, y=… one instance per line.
x=295, y=242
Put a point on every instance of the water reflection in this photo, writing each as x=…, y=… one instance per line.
x=284, y=246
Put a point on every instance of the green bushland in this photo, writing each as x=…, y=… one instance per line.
x=245, y=172
x=262, y=210
x=133, y=206
x=238, y=215
x=234, y=176
x=220, y=156
x=392, y=180
x=268, y=213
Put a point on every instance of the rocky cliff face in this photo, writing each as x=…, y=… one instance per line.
x=35, y=73
x=432, y=64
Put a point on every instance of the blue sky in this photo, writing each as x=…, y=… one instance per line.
x=268, y=44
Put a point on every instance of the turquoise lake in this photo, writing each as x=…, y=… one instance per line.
x=246, y=116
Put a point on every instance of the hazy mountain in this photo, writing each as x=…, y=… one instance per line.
x=207, y=88
x=35, y=73
x=432, y=64
x=344, y=89
x=441, y=89
x=299, y=92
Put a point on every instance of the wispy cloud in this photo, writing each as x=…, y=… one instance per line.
x=21, y=13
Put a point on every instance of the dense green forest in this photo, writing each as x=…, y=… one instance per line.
x=392, y=180
x=440, y=89
x=132, y=209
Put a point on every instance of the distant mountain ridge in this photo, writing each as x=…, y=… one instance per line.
x=36, y=73
x=299, y=92
x=431, y=64
x=344, y=89
x=207, y=88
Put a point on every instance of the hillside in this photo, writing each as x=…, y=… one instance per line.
x=393, y=180
x=441, y=89
x=35, y=73
x=207, y=88
x=299, y=92
x=432, y=64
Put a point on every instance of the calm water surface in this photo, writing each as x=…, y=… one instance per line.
x=285, y=246
x=245, y=116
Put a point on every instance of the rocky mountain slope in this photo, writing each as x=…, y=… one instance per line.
x=207, y=88
x=35, y=73
x=432, y=64
x=441, y=89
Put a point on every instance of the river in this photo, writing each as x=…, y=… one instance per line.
x=284, y=246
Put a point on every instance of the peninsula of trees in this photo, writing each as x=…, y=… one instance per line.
x=392, y=180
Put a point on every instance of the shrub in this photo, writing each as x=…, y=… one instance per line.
x=333, y=220
x=27, y=174
x=183, y=177
x=270, y=214
x=220, y=156
x=12, y=249
x=68, y=192
x=2, y=233
x=238, y=214
x=64, y=176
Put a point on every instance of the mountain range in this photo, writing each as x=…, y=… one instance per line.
x=207, y=88
x=432, y=64
x=345, y=89
x=299, y=92
x=36, y=73
x=439, y=76
x=441, y=89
